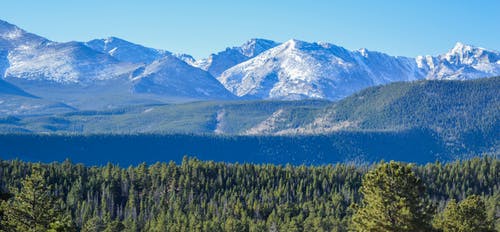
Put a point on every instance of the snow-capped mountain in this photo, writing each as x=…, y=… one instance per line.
x=298, y=70
x=462, y=62
x=12, y=36
x=188, y=59
x=31, y=57
x=99, y=73
x=106, y=71
x=126, y=51
x=215, y=64
x=65, y=63
x=163, y=73
x=172, y=77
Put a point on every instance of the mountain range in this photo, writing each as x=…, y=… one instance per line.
x=47, y=76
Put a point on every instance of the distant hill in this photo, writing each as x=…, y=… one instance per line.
x=196, y=117
x=464, y=114
x=447, y=107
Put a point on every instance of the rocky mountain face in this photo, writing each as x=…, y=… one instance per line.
x=172, y=77
x=461, y=63
x=100, y=73
x=299, y=70
x=215, y=64
x=126, y=51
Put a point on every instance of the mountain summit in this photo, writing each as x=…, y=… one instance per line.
x=298, y=69
x=215, y=64
x=126, y=51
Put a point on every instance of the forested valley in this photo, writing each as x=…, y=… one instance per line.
x=200, y=195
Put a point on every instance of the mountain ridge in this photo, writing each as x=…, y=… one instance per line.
x=217, y=63
x=112, y=72
x=298, y=69
x=100, y=72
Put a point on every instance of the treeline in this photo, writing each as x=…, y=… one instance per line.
x=212, y=196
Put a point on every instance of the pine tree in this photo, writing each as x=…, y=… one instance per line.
x=393, y=200
x=468, y=215
x=234, y=225
x=32, y=207
x=114, y=226
x=62, y=224
x=92, y=225
x=4, y=196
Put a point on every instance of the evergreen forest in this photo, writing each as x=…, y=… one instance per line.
x=197, y=195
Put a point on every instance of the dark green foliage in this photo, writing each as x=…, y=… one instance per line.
x=463, y=112
x=4, y=196
x=33, y=207
x=451, y=105
x=393, y=200
x=417, y=121
x=468, y=215
x=229, y=117
x=210, y=196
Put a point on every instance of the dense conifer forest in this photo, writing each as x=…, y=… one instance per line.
x=214, y=196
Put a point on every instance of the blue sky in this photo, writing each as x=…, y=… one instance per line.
x=199, y=28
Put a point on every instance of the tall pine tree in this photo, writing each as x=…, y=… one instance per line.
x=468, y=215
x=393, y=200
x=32, y=207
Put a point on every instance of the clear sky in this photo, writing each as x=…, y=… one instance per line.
x=397, y=27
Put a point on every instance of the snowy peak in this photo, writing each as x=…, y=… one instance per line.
x=186, y=58
x=6, y=27
x=126, y=51
x=171, y=76
x=10, y=31
x=28, y=57
x=215, y=64
x=294, y=44
x=319, y=51
x=298, y=69
x=298, y=44
x=102, y=73
x=460, y=47
x=65, y=63
x=254, y=47
x=12, y=36
x=470, y=55
x=259, y=68
x=462, y=62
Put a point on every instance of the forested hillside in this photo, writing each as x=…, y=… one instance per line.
x=209, y=196
x=451, y=108
x=424, y=120
x=202, y=117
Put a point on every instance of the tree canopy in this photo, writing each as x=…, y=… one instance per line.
x=210, y=196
